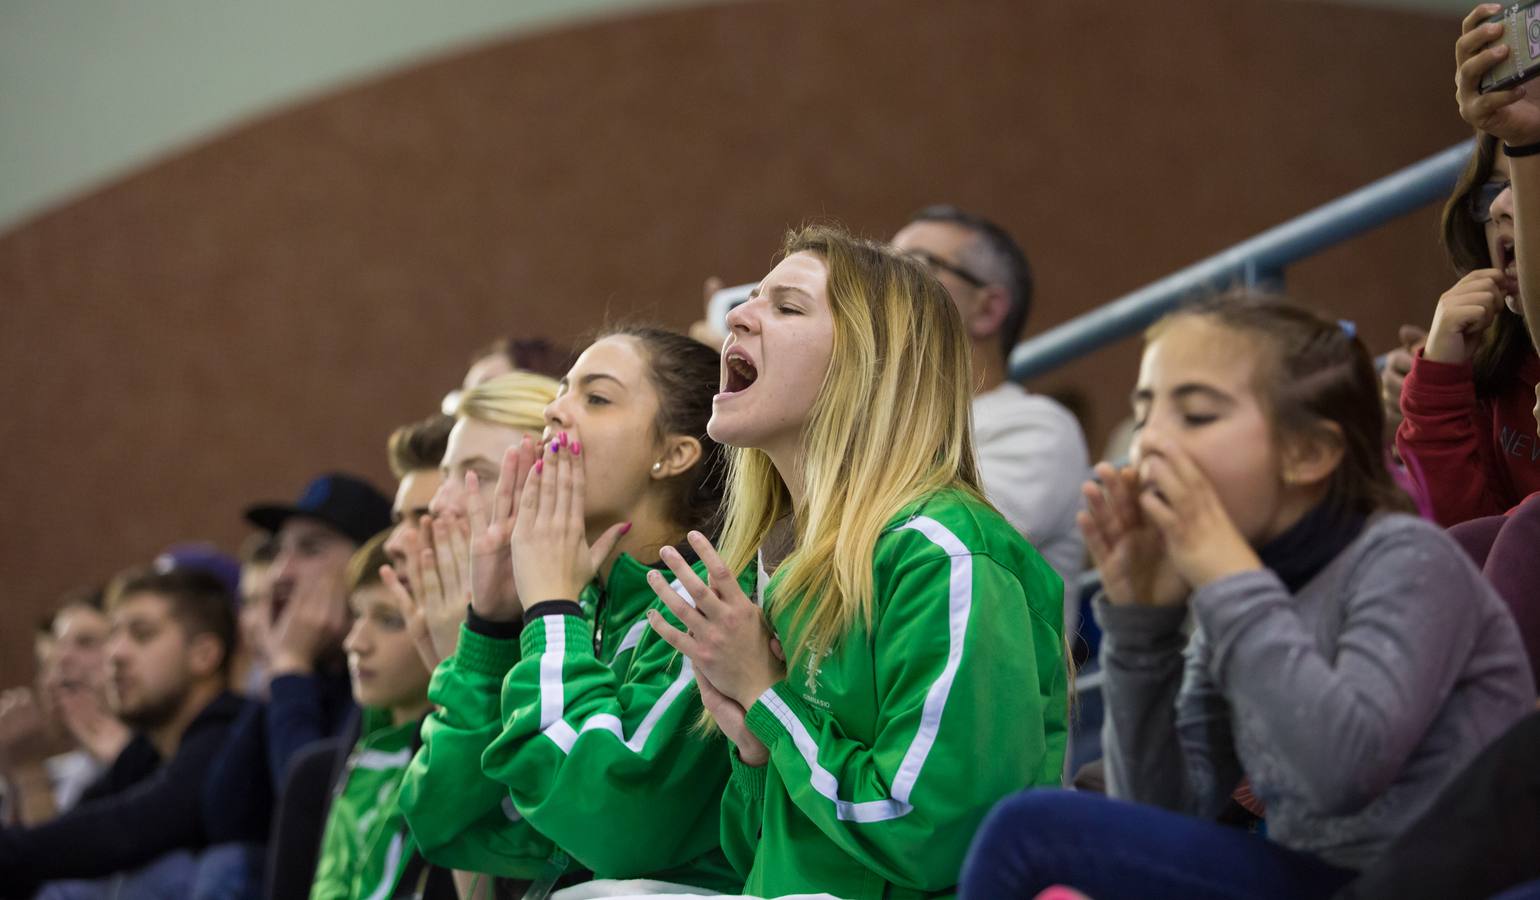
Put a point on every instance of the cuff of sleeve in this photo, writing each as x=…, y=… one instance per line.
x=1141, y=628
x=503, y=631
x=576, y=632
x=1441, y=377
x=765, y=717
x=747, y=780
x=285, y=687
x=552, y=608
x=483, y=654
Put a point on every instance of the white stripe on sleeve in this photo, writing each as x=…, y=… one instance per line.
x=959, y=607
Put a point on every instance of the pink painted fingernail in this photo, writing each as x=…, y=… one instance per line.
x=625, y=528
x=562, y=438
x=577, y=448
x=539, y=464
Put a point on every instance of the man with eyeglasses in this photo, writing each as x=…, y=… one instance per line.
x=1032, y=452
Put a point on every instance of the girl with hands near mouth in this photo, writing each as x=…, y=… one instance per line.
x=597, y=748
x=462, y=562
x=458, y=566
x=1345, y=657
x=1508, y=145
x=1126, y=548
x=551, y=555
x=1466, y=396
x=920, y=630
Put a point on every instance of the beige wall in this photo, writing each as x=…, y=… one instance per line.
x=214, y=329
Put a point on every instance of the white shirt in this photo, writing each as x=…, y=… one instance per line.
x=1033, y=459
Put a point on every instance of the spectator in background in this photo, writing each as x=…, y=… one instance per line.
x=256, y=615
x=41, y=782
x=460, y=818
x=367, y=850
x=310, y=697
x=1032, y=452
x=414, y=452
x=78, y=686
x=169, y=655
x=1347, y=659
x=29, y=784
x=231, y=573
x=1468, y=428
x=1505, y=542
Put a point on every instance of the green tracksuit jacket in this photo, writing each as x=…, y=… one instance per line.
x=460, y=818
x=886, y=753
x=366, y=843
x=600, y=748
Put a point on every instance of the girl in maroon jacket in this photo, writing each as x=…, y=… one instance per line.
x=1468, y=432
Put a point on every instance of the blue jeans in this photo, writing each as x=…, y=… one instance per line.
x=230, y=872
x=1109, y=849
x=167, y=878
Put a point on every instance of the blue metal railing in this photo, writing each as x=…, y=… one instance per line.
x=1261, y=259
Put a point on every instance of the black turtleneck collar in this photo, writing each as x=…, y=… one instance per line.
x=1297, y=555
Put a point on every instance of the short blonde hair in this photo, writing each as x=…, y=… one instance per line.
x=516, y=400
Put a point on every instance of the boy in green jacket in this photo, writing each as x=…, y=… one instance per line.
x=366, y=847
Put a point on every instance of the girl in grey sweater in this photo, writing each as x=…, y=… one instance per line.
x=1345, y=657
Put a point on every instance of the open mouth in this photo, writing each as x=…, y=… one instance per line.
x=1506, y=260
x=740, y=373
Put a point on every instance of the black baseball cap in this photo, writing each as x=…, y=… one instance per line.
x=346, y=503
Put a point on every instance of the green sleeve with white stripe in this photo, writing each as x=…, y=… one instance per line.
x=959, y=721
x=609, y=764
x=743, y=809
x=460, y=818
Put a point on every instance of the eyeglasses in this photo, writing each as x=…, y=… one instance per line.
x=936, y=263
x=1482, y=198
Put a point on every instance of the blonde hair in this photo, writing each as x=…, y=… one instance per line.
x=516, y=400
x=891, y=424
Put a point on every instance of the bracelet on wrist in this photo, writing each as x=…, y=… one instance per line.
x=1524, y=150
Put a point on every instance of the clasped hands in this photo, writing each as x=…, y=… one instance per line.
x=735, y=655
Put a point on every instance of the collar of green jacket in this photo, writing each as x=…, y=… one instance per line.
x=626, y=593
x=378, y=732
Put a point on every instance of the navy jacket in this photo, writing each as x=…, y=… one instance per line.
x=123, y=829
x=241, y=792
